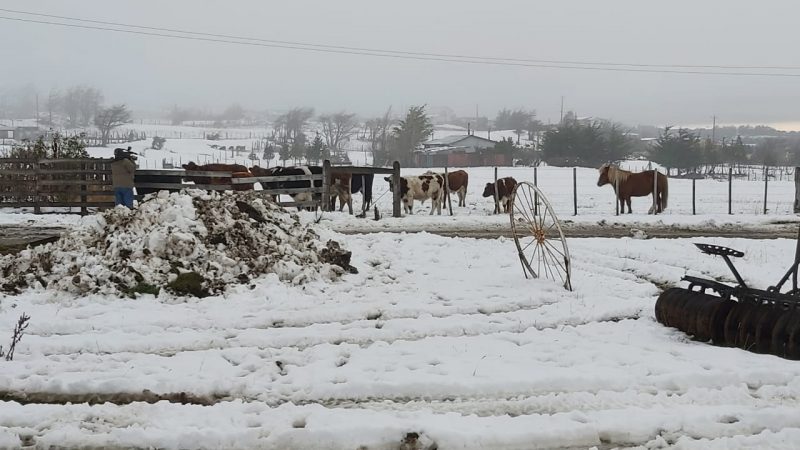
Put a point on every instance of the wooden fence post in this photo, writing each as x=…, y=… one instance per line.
x=797, y=190
x=694, y=184
x=496, y=194
x=83, y=189
x=36, y=208
x=326, y=185
x=766, y=180
x=730, y=190
x=396, y=189
x=447, y=191
x=616, y=195
x=575, y=188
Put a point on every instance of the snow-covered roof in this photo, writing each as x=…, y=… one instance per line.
x=454, y=139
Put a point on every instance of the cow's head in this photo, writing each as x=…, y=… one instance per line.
x=603, y=180
x=190, y=166
x=488, y=191
x=391, y=185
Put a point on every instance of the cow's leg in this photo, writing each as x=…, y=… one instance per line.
x=462, y=197
x=437, y=204
x=408, y=206
x=628, y=201
x=350, y=204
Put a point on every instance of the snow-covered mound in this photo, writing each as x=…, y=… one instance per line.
x=190, y=243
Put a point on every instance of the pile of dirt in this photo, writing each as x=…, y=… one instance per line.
x=190, y=243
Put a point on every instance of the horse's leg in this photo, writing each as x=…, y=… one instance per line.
x=628, y=201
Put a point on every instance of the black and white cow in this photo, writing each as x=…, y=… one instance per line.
x=295, y=184
x=426, y=186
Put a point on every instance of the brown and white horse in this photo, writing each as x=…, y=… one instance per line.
x=629, y=184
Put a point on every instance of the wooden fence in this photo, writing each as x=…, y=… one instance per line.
x=86, y=183
x=56, y=183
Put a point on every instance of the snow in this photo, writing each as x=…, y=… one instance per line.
x=221, y=238
x=437, y=336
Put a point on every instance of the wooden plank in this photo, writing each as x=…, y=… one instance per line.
x=16, y=171
x=184, y=173
x=165, y=172
x=205, y=187
x=355, y=170
x=17, y=182
x=84, y=160
x=76, y=204
x=73, y=182
x=16, y=160
x=299, y=204
x=278, y=179
x=71, y=172
x=17, y=204
x=316, y=190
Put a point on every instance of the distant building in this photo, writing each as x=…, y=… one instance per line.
x=461, y=151
x=6, y=132
x=28, y=133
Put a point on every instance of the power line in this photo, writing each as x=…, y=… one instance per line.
x=399, y=52
x=421, y=57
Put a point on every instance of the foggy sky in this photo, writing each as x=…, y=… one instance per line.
x=151, y=73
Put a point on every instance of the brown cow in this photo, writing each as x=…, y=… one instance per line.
x=457, y=182
x=340, y=188
x=236, y=170
x=505, y=189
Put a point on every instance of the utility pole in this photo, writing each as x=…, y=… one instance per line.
x=714, y=130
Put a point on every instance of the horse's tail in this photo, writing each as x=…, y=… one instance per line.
x=664, y=194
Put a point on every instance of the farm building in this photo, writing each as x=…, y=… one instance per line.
x=6, y=132
x=461, y=151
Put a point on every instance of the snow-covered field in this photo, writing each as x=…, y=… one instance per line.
x=436, y=336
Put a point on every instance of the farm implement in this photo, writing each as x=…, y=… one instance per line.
x=761, y=321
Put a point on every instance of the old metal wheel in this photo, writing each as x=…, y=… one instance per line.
x=541, y=245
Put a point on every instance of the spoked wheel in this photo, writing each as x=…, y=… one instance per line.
x=540, y=241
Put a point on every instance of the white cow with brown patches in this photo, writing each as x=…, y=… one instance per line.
x=426, y=186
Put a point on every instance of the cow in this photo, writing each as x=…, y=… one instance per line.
x=340, y=188
x=363, y=183
x=505, y=189
x=358, y=183
x=426, y=186
x=294, y=184
x=457, y=182
x=236, y=170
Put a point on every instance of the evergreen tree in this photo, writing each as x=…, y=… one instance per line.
x=681, y=150
x=410, y=133
x=315, y=150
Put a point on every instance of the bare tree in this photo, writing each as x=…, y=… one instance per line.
x=80, y=104
x=291, y=124
x=378, y=133
x=109, y=118
x=338, y=128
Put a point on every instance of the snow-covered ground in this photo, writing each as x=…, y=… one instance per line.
x=437, y=336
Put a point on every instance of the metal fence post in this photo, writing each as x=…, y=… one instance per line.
x=694, y=184
x=496, y=194
x=575, y=189
x=766, y=180
x=730, y=190
x=447, y=190
x=797, y=190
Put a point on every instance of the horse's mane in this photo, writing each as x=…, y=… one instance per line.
x=616, y=174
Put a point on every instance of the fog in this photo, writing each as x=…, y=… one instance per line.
x=152, y=73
